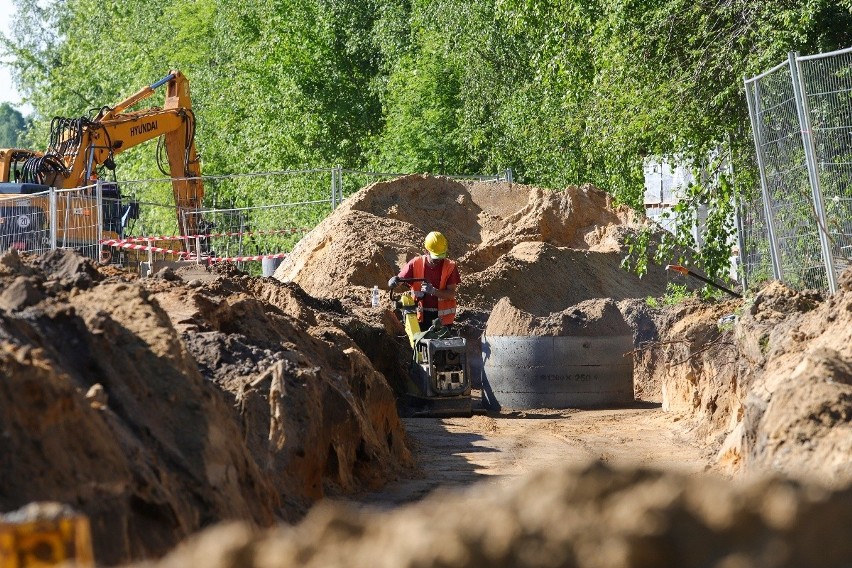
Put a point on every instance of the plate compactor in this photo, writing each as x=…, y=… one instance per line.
x=438, y=375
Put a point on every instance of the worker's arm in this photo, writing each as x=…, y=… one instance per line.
x=448, y=294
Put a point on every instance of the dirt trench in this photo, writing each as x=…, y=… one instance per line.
x=166, y=406
x=743, y=462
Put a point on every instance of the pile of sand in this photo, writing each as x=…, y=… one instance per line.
x=158, y=407
x=592, y=318
x=546, y=250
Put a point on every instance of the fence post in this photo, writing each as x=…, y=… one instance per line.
x=339, y=184
x=774, y=254
x=813, y=174
x=99, y=191
x=53, y=217
x=509, y=175
x=333, y=172
x=738, y=219
x=150, y=243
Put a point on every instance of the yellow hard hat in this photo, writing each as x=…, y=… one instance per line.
x=436, y=244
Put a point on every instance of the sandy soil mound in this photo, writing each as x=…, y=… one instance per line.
x=541, y=278
x=590, y=518
x=158, y=407
x=770, y=390
x=592, y=318
x=547, y=250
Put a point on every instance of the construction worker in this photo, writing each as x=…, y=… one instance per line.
x=436, y=298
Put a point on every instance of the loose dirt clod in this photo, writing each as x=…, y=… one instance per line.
x=593, y=517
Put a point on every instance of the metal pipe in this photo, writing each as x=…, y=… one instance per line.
x=687, y=272
x=163, y=81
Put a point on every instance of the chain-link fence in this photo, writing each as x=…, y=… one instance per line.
x=24, y=222
x=801, y=114
x=58, y=218
x=245, y=218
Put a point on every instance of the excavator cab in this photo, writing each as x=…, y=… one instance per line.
x=119, y=211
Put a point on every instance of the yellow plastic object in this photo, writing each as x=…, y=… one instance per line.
x=409, y=316
x=407, y=299
x=41, y=543
x=436, y=244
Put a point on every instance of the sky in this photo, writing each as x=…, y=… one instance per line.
x=7, y=90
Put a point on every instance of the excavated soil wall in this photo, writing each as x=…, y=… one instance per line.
x=767, y=381
x=158, y=407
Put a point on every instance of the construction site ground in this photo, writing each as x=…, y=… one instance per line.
x=451, y=453
x=222, y=420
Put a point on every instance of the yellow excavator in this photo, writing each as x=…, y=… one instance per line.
x=81, y=147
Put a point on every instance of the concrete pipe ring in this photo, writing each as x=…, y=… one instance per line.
x=556, y=372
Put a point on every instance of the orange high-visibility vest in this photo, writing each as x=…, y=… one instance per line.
x=446, y=308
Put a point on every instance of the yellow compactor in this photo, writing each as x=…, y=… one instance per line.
x=438, y=375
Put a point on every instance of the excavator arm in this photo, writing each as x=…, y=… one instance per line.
x=116, y=130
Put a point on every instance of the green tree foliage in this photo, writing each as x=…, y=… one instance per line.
x=562, y=91
x=422, y=120
x=12, y=126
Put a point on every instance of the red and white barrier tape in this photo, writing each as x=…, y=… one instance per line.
x=245, y=258
x=189, y=256
x=130, y=246
x=234, y=234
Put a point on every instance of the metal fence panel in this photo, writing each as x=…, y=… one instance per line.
x=245, y=217
x=24, y=222
x=787, y=192
x=827, y=81
x=755, y=257
x=801, y=113
x=77, y=220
